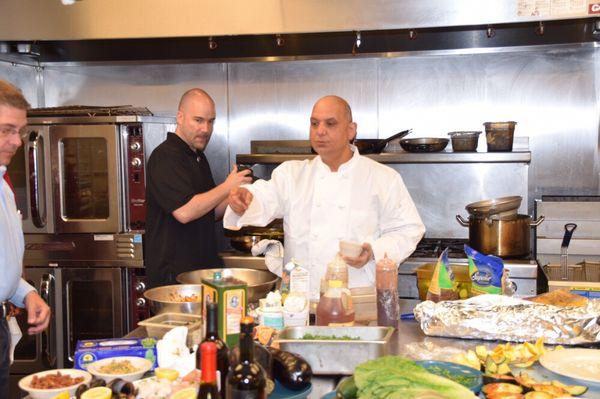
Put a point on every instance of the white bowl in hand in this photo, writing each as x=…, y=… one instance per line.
x=350, y=249
x=40, y=393
x=139, y=364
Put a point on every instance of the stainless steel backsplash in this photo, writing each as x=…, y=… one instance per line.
x=553, y=93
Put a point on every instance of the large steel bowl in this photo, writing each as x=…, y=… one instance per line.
x=260, y=282
x=161, y=299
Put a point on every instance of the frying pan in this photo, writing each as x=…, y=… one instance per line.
x=424, y=144
x=375, y=146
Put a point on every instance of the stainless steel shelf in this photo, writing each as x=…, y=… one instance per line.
x=403, y=157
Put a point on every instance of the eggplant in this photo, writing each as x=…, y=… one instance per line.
x=119, y=386
x=290, y=369
x=80, y=390
x=97, y=382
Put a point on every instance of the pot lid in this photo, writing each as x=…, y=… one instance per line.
x=504, y=205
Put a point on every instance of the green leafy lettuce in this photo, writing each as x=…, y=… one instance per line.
x=394, y=377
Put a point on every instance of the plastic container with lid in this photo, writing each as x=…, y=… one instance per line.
x=335, y=307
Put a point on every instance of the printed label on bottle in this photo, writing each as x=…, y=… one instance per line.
x=299, y=280
x=235, y=303
x=349, y=324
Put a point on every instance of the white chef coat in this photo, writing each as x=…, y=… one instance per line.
x=364, y=201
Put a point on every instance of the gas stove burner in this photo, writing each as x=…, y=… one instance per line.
x=433, y=247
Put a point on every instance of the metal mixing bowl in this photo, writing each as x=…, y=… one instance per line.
x=161, y=299
x=260, y=282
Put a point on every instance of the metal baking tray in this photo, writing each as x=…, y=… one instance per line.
x=336, y=356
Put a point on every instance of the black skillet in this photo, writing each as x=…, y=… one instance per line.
x=375, y=146
x=424, y=144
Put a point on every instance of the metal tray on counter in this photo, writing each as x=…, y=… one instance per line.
x=336, y=356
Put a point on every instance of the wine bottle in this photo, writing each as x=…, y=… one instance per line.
x=212, y=335
x=208, y=381
x=246, y=379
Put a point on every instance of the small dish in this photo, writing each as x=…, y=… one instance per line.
x=37, y=393
x=350, y=249
x=463, y=375
x=140, y=364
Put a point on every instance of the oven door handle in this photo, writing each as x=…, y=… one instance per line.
x=70, y=356
x=48, y=347
x=35, y=144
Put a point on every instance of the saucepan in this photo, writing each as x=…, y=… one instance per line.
x=424, y=144
x=375, y=146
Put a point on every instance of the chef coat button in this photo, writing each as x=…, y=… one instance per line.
x=342, y=206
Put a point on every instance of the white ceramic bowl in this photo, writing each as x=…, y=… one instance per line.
x=34, y=393
x=142, y=365
x=350, y=249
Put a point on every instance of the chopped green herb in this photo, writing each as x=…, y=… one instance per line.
x=317, y=337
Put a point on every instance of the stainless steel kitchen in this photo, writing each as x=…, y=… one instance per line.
x=491, y=111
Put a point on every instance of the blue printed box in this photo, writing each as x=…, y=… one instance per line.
x=88, y=351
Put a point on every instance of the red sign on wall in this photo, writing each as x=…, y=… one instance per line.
x=594, y=8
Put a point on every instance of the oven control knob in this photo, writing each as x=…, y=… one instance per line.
x=135, y=146
x=140, y=287
x=136, y=162
x=140, y=302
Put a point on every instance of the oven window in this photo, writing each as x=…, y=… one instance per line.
x=85, y=178
x=91, y=313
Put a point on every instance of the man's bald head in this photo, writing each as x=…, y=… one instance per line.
x=336, y=101
x=195, y=118
x=193, y=94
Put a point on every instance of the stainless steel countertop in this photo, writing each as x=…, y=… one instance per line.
x=409, y=333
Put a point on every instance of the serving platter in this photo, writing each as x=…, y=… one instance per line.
x=577, y=363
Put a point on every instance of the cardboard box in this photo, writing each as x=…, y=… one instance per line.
x=88, y=351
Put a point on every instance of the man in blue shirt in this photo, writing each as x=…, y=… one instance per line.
x=13, y=118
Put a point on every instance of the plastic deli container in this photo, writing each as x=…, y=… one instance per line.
x=158, y=326
x=464, y=141
x=499, y=135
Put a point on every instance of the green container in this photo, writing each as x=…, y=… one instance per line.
x=230, y=294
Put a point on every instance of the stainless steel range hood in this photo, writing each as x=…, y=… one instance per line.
x=118, y=19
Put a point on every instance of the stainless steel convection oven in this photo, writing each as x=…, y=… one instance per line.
x=80, y=185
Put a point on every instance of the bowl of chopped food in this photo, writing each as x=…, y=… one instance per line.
x=178, y=298
x=47, y=384
x=127, y=368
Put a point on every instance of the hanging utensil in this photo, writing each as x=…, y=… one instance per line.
x=569, y=229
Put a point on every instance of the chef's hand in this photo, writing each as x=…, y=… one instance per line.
x=236, y=178
x=239, y=200
x=365, y=256
x=38, y=313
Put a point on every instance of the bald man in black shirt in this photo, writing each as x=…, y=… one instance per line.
x=183, y=200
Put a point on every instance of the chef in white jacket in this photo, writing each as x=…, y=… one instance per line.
x=338, y=195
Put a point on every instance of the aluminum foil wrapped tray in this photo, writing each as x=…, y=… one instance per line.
x=496, y=317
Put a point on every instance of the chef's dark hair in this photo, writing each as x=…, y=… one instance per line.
x=11, y=96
